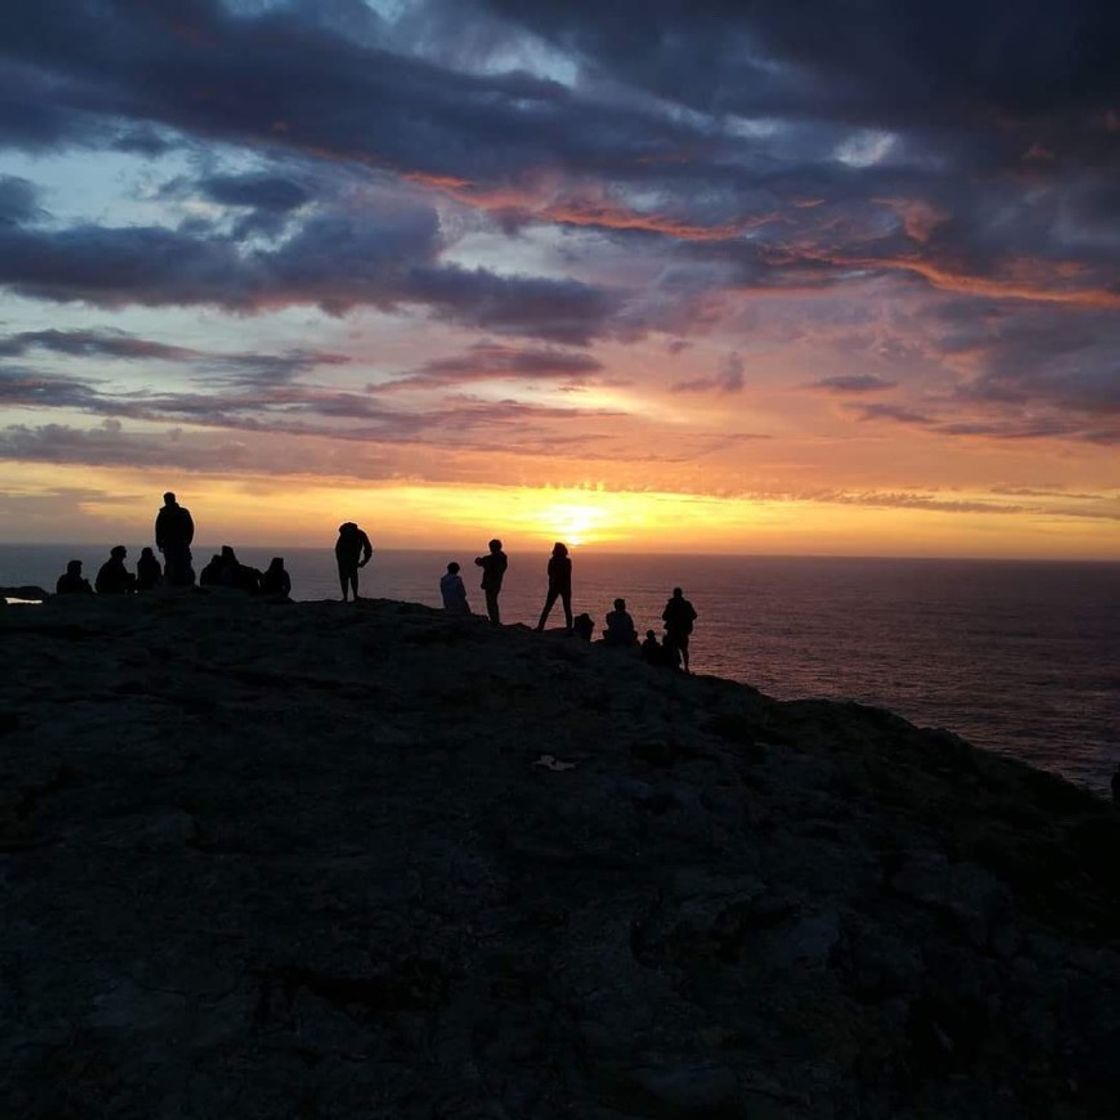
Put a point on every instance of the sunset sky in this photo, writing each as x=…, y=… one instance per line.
x=707, y=276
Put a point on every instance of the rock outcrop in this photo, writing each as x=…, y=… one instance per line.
x=315, y=860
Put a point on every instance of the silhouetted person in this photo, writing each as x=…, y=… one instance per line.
x=276, y=583
x=233, y=574
x=583, y=626
x=559, y=585
x=453, y=592
x=113, y=578
x=619, y=629
x=493, y=566
x=148, y=571
x=210, y=576
x=679, y=616
x=352, y=550
x=652, y=653
x=174, y=533
x=71, y=582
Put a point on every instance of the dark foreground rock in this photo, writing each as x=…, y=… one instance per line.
x=319, y=860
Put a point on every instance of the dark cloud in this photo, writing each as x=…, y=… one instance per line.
x=261, y=192
x=494, y=361
x=880, y=411
x=385, y=260
x=855, y=383
x=729, y=379
x=17, y=200
x=248, y=367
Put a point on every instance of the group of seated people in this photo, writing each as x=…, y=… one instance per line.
x=113, y=578
x=224, y=570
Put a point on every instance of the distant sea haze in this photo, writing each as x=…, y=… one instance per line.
x=1020, y=657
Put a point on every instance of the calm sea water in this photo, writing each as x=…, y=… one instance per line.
x=1020, y=657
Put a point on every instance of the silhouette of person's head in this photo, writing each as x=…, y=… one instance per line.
x=453, y=568
x=677, y=593
x=147, y=553
x=651, y=636
x=559, y=549
x=277, y=564
x=620, y=604
x=169, y=499
x=228, y=554
x=495, y=545
x=118, y=552
x=74, y=568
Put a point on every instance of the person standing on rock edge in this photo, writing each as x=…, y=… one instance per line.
x=493, y=567
x=352, y=550
x=679, y=615
x=559, y=585
x=174, y=533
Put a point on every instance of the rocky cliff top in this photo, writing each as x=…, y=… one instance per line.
x=325, y=860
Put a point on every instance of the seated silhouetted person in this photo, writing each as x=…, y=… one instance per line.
x=453, y=592
x=583, y=626
x=652, y=653
x=209, y=576
x=276, y=583
x=232, y=573
x=71, y=582
x=619, y=630
x=148, y=571
x=113, y=578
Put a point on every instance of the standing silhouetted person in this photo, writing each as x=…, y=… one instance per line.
x=453, y=592
x=113, y=578
x=352, y=551
x=493, y=566
x=619, y=629
x=276, y=582
x=148, y=571
x=174, y=533
x=559, y=585
x=71, y=582
x=679, y=616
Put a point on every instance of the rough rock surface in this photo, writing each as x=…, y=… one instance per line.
x=319, y=860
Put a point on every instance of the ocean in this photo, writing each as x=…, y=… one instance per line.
x=1020, y=657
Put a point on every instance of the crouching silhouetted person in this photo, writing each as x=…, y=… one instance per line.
x=148, y=572
x=619, y=630
x=71, y=581
x=276, y=583
x=453, y=592
x=583, y=626
x=113, y=578
x=174, y=533
x=352, y=550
